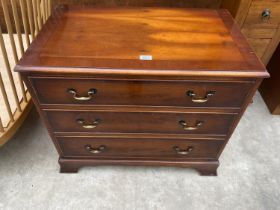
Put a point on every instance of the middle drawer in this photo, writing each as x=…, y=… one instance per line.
x=140, y=122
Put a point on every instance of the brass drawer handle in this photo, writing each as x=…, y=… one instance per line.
x=190, y=128
x=90, y=93
x=266, y=14
x=183, y=151
x=95, y=150
x=195, y=99
x=88, y=126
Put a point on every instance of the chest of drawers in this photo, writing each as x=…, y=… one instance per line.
x=141, y=86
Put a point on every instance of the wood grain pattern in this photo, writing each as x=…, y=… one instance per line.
x=142, y=93
x=270, y=88
x=241, y=9
x=139, y=148
x=255, y=27
x=140, y=122
x=204, y=167
x=270, y=49
x=139, y=104
x=124, y=3
x=259, y=33
x=155, y=32
x=259, y=45
x=144, y=3
x=254, y=18
x=248, y=14
x=247, y=11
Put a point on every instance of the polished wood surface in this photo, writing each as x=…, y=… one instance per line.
x=247, y=13
x=102, y=105
x=144, y=3
x=260, y=21
x=270, y=88
x=141, y=92
x=204, y=167
x=238, y=9
x=144, y=148
x=179, y=41
x=254, y=18
x=259, y=45
x=140, y=122
x=270, y=49
x=259, y=33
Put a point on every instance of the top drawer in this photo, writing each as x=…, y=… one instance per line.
x=144, y=93
x=263, y=14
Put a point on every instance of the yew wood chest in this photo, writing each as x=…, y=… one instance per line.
x=140, y=86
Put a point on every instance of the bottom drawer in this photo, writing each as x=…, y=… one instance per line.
x=142, y=148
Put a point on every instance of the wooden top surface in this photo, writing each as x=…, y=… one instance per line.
x=143, y=41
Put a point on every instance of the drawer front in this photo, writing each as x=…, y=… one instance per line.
x=139, y=122
x=263, y=14
x=164, y=148
x=259, y=33
x=259, y=45
x=144, y=93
